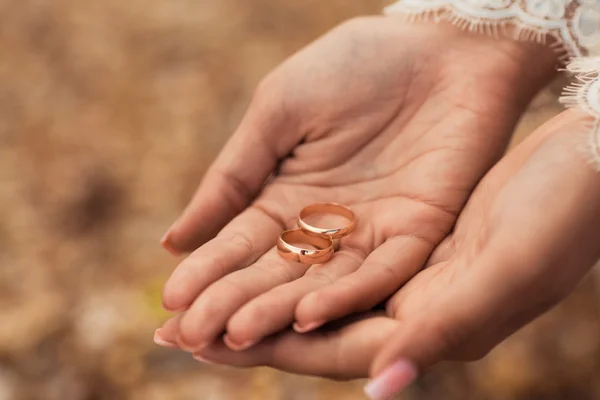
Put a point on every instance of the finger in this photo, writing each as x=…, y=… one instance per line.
x=240, y=243
x=382, y=273
x=275, y=308
x=207, y=316
x=166, y=336
x=345, y=353
x=237, y=175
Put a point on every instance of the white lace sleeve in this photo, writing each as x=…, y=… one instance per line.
x=584, y=94
x=574, y=26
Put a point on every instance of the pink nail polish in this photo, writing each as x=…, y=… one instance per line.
x=167, y=244
x=163, y=343
x=237, y=346
x=391, y=381
x=308, y=327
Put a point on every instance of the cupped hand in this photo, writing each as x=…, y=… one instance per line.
x=525, y=239
x=397, y=121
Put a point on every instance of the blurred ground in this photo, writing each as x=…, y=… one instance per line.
x=110, y=111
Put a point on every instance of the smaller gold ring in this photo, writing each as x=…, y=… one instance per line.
x=322, y=253
x=328, y=208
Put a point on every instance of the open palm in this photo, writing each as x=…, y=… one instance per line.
x=385, y=118
x=525, y=239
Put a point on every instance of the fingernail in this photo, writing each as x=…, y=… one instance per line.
x=163, y=343
x=308, y=327
x=176, y=311
x=237, y=346
x=391, y=381
x=168, y=245
x=201, y=359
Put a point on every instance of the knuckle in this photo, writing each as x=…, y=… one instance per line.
x=243, y=242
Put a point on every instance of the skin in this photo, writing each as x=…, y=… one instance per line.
x=525, y=239
x=381, y=116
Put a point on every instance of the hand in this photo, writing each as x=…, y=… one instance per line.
x=525, y=239
x=398, y=121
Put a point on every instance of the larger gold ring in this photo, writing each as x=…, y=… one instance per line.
x=322, y=253
x=328, y=208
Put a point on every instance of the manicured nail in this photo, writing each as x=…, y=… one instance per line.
x=163, y=343
x=238, y=346
x=167, y=244
x=391, y=381
x=308, y=327
x=201, y=359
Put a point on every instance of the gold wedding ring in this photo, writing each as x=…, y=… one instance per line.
x=322, y=252
x=327, y=208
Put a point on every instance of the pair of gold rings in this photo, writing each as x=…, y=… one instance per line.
x=321, y=239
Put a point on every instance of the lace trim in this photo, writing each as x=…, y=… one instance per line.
x=584, y=93
x=573, y=24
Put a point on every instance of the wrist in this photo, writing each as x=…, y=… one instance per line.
x=524, y=67
x=534, y=65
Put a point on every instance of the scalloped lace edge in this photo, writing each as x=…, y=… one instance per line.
x=584, y=94
x=507, y=27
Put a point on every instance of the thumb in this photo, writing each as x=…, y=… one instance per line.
x=465, y=322
x=237, y=175
x=422, y=342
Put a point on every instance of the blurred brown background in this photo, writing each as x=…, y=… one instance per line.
x=110, y=111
